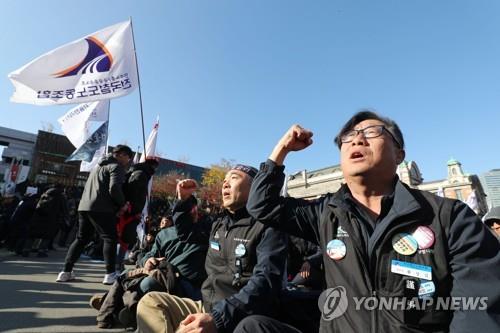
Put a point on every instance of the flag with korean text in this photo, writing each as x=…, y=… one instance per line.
x=81, y=121
x=98, y=66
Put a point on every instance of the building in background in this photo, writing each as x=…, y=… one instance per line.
x=491, y=185
x=51, y=150
x=457, y=185
x=39, y=159
x=16, y=160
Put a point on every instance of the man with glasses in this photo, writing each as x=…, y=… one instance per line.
x=391, y=253
x=492, y=220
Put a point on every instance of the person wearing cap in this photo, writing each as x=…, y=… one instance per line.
x=383, y=241
x=101, y=203
x=245, y=264
x=492, y=220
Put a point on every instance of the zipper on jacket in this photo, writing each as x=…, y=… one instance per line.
x=373, y=328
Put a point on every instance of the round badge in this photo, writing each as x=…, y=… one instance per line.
x=336, y=249
x=240, y=250
x=424, y=237
x=404, y=244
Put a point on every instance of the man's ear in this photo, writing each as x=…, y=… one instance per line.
x=400, y=155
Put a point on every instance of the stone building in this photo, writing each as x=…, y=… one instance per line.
x=457, y=185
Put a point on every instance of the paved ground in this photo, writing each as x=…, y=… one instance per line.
x=33, y=302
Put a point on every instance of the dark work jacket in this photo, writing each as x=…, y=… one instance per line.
x=229, y=299
x=135, y=188
x=464, y=259
x=51, y=210
x=103, y=190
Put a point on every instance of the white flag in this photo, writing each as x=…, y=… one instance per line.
x=22, y=173
x=151, y=143
x=88, y=166
x=96, y=67
x=95, y=142
x=77, y=123
x=136, y=156
x=150, y=152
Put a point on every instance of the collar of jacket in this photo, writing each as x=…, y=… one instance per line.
x=241, y=216
x=404, y=202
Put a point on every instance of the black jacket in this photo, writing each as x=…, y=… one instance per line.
x=234, y=290
x=103, y=190
x=50, y=212
x=136, y=186
x=464, y=259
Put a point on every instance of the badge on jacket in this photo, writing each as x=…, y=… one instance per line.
x=336, y=249
x=427, y=289
x=240, y=250
x=215, y=245
x=404, y=244
x=424, y=237
x=411, y=269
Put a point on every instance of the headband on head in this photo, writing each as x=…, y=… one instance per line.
x=249, y=170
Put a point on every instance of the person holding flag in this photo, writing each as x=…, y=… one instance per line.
x=102, y=202
x=136, y=190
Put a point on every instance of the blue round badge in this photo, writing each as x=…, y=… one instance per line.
x=336, y=249
x=240, y=250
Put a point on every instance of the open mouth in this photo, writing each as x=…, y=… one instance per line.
x=356, y=155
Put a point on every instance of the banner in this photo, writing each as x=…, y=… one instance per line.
x=96, y=67
x=87, y=151
x=76, y=124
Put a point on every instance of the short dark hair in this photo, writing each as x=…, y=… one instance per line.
x=123, y=149
x=390, y=126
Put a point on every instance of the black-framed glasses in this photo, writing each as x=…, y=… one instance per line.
x=368, y=132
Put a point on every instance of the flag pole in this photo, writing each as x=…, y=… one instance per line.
x=107, y=129
x=139, y=84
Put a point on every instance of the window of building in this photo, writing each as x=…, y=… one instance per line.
x=458, y=193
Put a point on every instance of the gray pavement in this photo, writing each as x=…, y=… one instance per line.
x=33, y=302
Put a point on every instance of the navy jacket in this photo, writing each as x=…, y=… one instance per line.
x=234, y=290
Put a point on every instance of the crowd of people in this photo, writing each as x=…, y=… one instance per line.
x=265, y=262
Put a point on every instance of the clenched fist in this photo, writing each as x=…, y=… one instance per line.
x=295, y=139
x=186, y=188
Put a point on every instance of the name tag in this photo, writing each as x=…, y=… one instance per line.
x=411, y=269
x=214, y=245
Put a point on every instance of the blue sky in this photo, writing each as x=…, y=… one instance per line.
x=228, y=78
